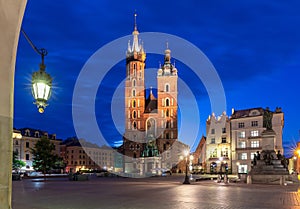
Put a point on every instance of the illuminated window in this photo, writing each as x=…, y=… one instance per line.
x=243, y=156
x=242, y=169
x=242, y=134
x=224, y=152
x=254, y=143
x=241, y=125
x=254, y=133
x=213, y=153
x=242, y=144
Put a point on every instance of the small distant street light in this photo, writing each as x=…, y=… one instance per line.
x=188, y=158
x=41, y=84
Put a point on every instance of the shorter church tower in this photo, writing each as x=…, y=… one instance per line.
x=167, y=102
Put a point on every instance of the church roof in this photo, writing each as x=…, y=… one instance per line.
x=151, y=104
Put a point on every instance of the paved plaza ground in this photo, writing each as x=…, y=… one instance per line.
x=150, y=193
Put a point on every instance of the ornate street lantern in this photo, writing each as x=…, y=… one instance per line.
x=41, y=84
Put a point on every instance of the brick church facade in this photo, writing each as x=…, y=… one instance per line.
x=150, y=122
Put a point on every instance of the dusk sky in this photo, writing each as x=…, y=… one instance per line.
x=253, y=45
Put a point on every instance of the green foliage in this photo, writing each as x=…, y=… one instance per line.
x=17, y=164
x=43, y=157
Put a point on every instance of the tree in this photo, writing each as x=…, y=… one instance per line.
x=43, y=157
x=17, y=164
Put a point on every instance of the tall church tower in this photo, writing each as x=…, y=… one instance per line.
x=134, y=96
x=167, y=103
x=150, y=122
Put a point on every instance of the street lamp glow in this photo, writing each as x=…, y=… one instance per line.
x=188, y=158
x=41, y=87
x=186, y=152
x=191, y=157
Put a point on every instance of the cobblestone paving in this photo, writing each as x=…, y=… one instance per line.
x=162, y=193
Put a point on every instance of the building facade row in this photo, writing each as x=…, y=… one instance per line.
x=77, y=155
x=232, y=142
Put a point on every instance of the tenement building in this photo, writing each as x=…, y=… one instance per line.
x=25, y=139
x=81, y=155
x=151, y=129
x=218, y=144
x=247, y=127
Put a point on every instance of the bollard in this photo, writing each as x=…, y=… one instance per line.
x=249, y=179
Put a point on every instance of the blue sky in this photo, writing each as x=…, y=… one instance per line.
x=253, y=45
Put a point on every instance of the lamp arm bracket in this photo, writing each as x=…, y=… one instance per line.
x=43, y=52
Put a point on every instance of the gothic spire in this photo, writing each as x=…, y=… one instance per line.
x=136, y=47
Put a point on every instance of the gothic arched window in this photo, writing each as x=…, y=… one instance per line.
x=134, y=69
x=167, y=113
x=167, y=88
x=134, y=114
x=167, y=102
x=133, y=92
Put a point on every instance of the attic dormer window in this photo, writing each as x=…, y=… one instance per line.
x=27, y=132
x=36, y=134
